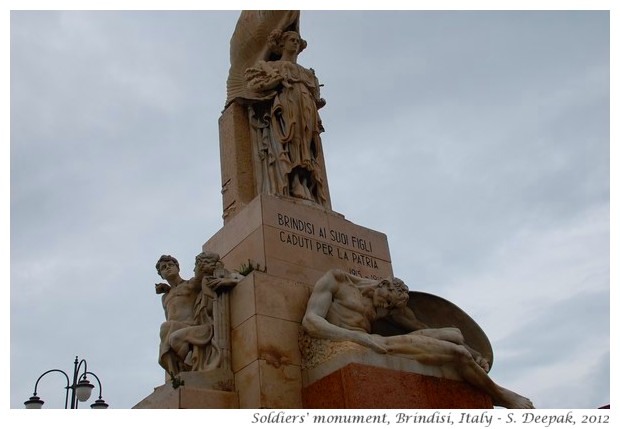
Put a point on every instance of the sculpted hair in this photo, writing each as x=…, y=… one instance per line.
x=403, y=291
x=166, y=258
x=400, y=285
x=277, y=38
x=398, y=290
x=208, y=256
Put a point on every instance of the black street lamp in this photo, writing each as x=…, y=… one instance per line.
x=80, y=388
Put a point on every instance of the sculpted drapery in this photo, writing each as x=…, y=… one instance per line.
x=283, y=99
x=189, y=335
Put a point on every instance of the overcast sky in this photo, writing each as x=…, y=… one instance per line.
x=479, y=142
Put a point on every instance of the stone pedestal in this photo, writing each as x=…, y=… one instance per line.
x=347, y=375
x=363, y=386
x=290, y=244
x=213, y=389
x=166, y=397
x=298, y=241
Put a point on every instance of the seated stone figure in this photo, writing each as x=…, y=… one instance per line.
x=342, y=307
x=187, y=336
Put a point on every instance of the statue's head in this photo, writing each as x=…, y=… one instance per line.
x=278, y=38
x=401, y=290
x=207, y=261
x=164, y=261
x=391, y=294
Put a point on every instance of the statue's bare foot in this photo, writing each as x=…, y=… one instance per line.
x=510, y=399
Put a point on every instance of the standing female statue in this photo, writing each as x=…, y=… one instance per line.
x=290, y=145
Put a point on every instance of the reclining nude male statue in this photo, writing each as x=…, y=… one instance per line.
x=342, y=307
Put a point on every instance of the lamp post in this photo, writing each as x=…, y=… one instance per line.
x=79, y=386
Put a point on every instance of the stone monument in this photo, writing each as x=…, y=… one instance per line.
x=316, y=319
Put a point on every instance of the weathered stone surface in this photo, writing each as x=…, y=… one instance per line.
x=166, y=397
x=322, y=357
x=270, y=339
x=262, y=385
x=237, y=172
x=244, y=340
x=298, y=242
x=261, y=294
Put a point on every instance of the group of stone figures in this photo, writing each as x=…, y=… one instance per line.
x=283, y=101
x=342, y=307
x=189, y=336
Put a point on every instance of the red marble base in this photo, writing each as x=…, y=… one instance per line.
x=363, y=386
